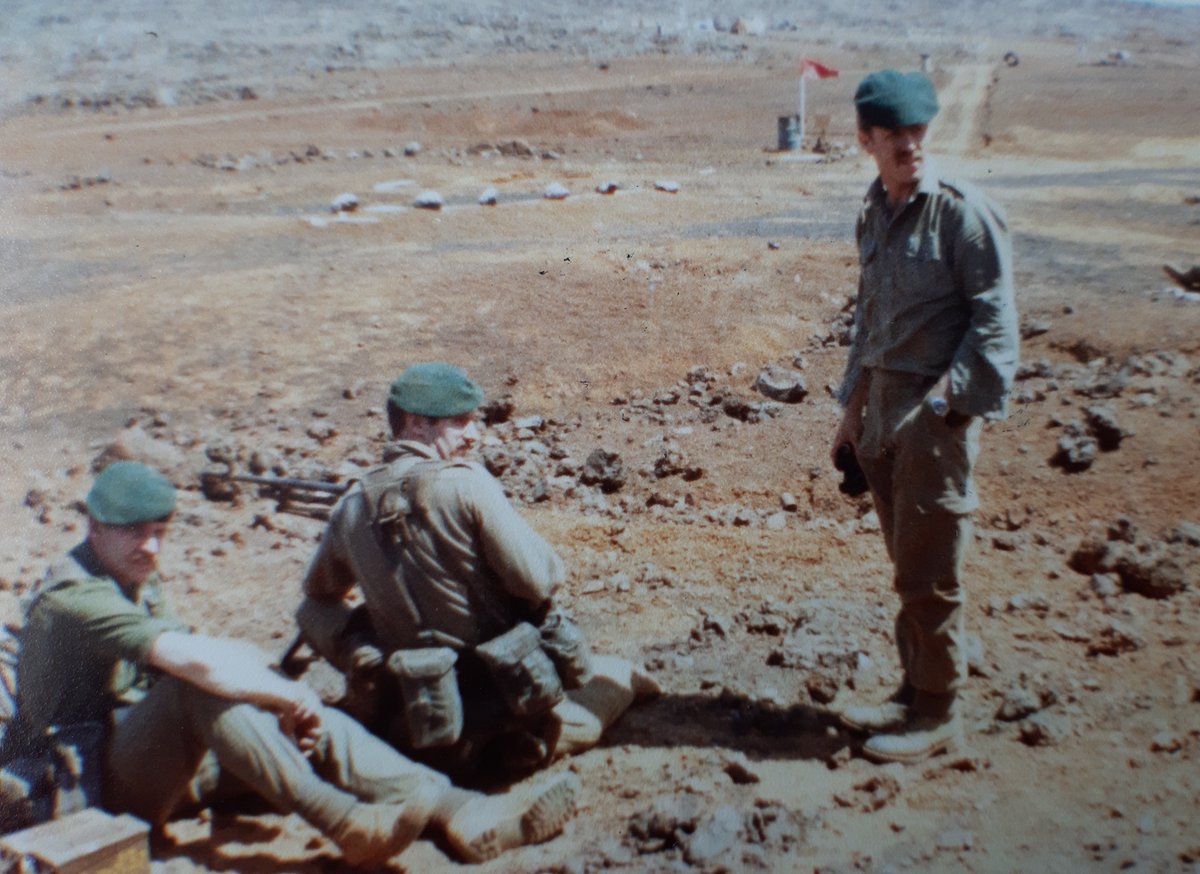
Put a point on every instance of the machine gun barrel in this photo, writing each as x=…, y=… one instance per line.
x=289, y=483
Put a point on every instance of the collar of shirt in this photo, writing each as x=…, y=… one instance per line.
x=413, y=447
x=928, y=184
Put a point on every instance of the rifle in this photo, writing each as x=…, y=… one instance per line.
x=218, y=485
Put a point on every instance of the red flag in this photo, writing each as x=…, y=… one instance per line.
x=810, y=69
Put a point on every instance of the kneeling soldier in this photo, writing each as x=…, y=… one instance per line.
x=100, y=646
x=458, y=591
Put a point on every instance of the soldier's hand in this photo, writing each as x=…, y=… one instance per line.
x=366, y=659
x=300, y=718
x=850, y=430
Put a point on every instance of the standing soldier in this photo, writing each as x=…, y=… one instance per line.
x=934, y=354
x=481, y=669
x=101, y=647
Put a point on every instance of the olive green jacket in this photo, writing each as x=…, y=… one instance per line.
x=465, y=565
x=935, y=293
x=85, y=645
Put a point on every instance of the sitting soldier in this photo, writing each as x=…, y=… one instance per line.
x=100, y=647
x=465, y=658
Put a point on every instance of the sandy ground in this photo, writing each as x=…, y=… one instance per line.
x=170, y=261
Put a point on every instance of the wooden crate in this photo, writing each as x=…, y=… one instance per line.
x=88, y=842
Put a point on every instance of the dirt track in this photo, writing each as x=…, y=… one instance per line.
x=179, y=266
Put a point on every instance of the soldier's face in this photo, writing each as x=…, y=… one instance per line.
x=898, y=152
x=453, y=437
x=129, y=553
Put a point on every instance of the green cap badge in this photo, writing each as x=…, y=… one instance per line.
x=892, y=99
x=437, y=390
x=130, y=493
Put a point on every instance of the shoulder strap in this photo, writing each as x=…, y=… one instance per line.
x=387, y=492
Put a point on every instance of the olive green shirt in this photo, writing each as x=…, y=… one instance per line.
x=935, y=293
x=468, y=567
x=85, y=645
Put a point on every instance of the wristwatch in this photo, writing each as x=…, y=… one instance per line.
x=939, y=406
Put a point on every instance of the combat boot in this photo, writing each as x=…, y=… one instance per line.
x=489, y=825
x=886, y=716
x=370, y=834
x=921, y=737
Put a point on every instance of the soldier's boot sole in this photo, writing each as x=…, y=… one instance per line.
x=921, y=739
x=872, y=718
x=486, y=827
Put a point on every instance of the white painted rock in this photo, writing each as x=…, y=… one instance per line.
x=347, y=202
x=555, y=191
x=429, y=200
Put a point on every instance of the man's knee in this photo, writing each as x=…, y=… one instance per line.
x=589, y=711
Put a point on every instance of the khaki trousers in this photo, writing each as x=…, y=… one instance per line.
x=920, y=473
x=157, y=745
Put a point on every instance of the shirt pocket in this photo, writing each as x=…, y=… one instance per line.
x=923, y=272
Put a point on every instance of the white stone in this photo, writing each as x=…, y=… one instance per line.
x=347, y=202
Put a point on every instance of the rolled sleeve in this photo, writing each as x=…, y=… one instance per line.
x=111, y=626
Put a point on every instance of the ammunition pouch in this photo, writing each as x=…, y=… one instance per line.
x=564, y=643
x=522, y=672
x=433, y=707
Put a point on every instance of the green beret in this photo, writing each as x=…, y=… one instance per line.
x=892, y=99
x=437, y=390
x=129, y=493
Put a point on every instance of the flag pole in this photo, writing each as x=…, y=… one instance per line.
x=800, y=122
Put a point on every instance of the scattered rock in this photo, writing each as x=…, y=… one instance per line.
x=604, y=469
x=666, y=185
x=1033, y=327
x=346, y=202
x=429, y=200
x=1042, y=730
x=516, y=149
x=870, y=795
x=1166, y=742
x=1021, y=701
x=556, y=191
x=1102, y=424
x=1114, y=639
x=412, y=149
x=739, y=770
x=136, y=444
x=1076, y=449
x=780, y=384
x=715, y=836
x=1156, y=569
x=609, y=187
x=489, y=197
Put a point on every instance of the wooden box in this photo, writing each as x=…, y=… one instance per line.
x=88, y=842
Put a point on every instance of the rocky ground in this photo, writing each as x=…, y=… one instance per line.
x=216, y=258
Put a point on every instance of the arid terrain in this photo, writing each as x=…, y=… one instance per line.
x=176, y=285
